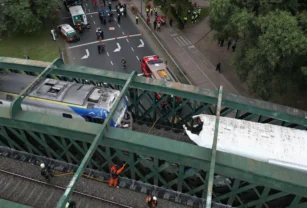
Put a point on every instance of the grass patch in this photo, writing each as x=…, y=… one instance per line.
x=38, y=46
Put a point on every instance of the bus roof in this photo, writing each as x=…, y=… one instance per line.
x=76, y=10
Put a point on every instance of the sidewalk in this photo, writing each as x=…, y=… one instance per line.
x=200, y=71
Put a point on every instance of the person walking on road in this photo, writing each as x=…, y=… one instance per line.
x=115, y=171
x=229, y=44
x=234, y=47
x=45, y=172
x=150, y=11
x=118, y=18
x=159, y=26
x=151, y=201
x=218, y=67
x=156, y=11
x=147, y=11
x=148, y=21
x=137, y=20
x=99, y=48
x=171, y=22
x=110, y=5
x=155, y=24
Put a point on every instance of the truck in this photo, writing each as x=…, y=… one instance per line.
x=154, y=67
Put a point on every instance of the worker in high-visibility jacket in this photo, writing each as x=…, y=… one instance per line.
x=115, y=171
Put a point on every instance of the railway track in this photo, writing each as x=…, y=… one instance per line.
x=35, y=193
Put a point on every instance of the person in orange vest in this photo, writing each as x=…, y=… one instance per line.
x=152, y=201
x=115, y=171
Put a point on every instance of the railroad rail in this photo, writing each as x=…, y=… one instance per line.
x=45, y=193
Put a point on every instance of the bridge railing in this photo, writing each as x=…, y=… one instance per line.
x=174, y=165
x=146, y=108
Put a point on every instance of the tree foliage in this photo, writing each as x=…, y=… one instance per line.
x=272, y=54
x=26, y=16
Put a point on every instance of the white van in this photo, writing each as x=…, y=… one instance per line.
x=78, y=15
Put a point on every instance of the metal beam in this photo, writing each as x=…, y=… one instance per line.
x=16, y=104
x=71, y=186
x=213, y=149
x=229, y=165
x=244, y=104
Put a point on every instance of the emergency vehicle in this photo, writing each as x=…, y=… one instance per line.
x=68, y=32
x=78, y=16
x=154, y=67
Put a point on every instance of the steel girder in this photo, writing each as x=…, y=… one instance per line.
x=156, y=160
x=232, y=105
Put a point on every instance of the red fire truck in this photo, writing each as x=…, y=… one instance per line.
x=154, y=67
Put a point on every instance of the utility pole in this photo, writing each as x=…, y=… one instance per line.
x=142, y=8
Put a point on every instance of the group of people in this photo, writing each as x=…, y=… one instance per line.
x=115, y=171
x=121, y=10
x=192, y=15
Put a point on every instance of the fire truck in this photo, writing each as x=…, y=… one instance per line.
x=154, y=67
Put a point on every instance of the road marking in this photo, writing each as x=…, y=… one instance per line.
x=86, y=4
x=105, y=40
x=108, y=53
x=182, y=43
x=94, y=22
x=132, y=49
x=85, y=14
x=118, y=48
x=111, y=62
x=178, y=42
x=137, y=58
x=191, y=46
x=127, y=40
x=201, y=70
x=123, y=33
x=118, y=25
x=91, y=16
x=87, y=54
x=142, y=44
x=173, y=35
x=115, y=20
x=183, y=40
x=89, y=10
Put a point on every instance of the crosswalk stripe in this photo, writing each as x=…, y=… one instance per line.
x=178, y=42
x=182, y=43
x=183, y=40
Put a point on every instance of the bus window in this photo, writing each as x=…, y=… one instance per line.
x=98, y=120
x=88, y=118
x=65, y=115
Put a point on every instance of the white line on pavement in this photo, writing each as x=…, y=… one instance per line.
x=123, y=33
x=111, y=62
x=115, y=20
x=173, y=35
x=201, y=70
x=108, y=53
x=127, y=40
x=177, y=42
x=178, y=38
x=183, y=40
x=118, y=25
x=94, y=22
x=137, y=58
x=85, y=14
x=86, y=4
x=89, y=10
x=192, y=46
x=91, y=16
x=132, y=49
x=105, y=40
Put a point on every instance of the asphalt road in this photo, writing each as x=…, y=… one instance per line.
x=121, y=40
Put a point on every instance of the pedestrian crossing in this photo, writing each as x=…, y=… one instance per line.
x=182, y=41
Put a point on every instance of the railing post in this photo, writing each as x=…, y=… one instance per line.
x=213, y=150
x=72, y=184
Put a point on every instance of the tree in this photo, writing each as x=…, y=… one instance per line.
x=272, y=54
x=26, y=16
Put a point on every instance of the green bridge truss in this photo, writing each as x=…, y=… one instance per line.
x=152, y=159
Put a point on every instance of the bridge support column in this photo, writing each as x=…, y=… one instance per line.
x=213, y=150
x=72, y=184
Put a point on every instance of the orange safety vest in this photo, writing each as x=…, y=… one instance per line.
x=150, y=202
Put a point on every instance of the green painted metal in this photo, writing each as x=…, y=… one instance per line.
x=213, y=150
x=106, y=125
x=16, y=104
x=190, y=155
x=68, y=140
x=10, y=204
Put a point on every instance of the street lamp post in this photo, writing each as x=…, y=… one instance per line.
x=141, y=8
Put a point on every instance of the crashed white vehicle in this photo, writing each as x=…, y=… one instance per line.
x=273, y=144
